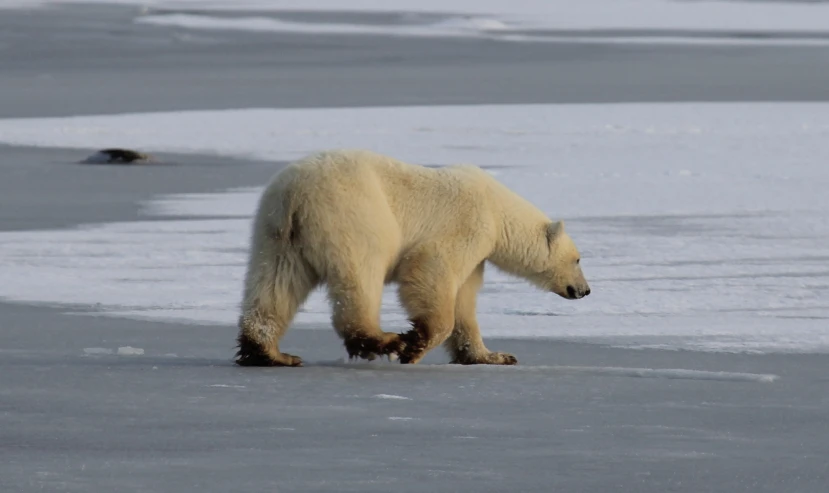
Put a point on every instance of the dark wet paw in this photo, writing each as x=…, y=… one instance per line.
x=251, y=353
x=264, y=360
x=370, y=348
x=413, y=343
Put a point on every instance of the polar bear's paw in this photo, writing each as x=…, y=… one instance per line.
x=414, y=343
x=491, y=358
x=501, y=359
x=371, y=347
x=251, y=353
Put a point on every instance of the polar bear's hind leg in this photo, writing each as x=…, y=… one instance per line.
x=278, y=282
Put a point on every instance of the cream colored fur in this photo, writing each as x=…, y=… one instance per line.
x=356, y=220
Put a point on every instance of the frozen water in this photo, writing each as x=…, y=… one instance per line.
x=702, y=226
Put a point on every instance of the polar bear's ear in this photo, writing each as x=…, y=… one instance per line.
x=554, y=229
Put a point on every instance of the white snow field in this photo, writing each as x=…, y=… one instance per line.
x=467, y=27
x=491, y=17
x=702, y=226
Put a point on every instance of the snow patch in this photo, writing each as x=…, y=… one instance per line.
x=121, y=351
x=390, y=396
x=483, y=27
x=454, y=27
x=130, y=351
x=97, y=350
x=700, y=262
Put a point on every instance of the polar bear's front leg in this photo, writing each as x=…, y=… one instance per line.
x=355, y=300
x=465, y=345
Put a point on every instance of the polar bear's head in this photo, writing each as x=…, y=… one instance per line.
x=561, y=272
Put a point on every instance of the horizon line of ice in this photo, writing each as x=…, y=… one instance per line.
x=530, y=14
x=482, y=27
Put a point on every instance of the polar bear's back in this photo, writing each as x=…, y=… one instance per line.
x=359, y=196
x=344, y=182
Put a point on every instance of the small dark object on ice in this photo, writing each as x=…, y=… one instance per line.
x=118, y=156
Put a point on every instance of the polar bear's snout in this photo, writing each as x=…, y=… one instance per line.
x=575, y=294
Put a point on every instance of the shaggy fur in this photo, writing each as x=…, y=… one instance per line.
x=356, y=220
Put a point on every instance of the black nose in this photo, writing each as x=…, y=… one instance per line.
x=571, y=292
x=587, y=292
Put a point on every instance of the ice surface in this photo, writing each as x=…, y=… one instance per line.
x=702, y=226
x=667, y=373
x=533, y=14
x=186, y=425
x=604, y=371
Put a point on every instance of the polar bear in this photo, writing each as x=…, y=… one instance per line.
x=356, y=220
